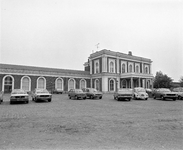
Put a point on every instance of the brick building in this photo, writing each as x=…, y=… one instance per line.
x=105, y=70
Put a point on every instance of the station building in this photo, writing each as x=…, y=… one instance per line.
x=105, y=70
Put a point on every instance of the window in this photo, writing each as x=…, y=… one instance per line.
x=8, y=83
x=97, y=84
x=123, y=68
x=41, y=83
x=71, y=84
x=123, y=84
x=111, y=85
x=137, y=69
x=59, y=83
x=97, y=67
x=111, y=67
x=25, y=83
x=130, y=68
x=82, y=84
x=146, y=70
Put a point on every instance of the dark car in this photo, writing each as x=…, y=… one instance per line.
x=41, y=95
x=1, y=96
x=92, y=93
x=164, y=93
x=57, y=91
x=76, y=94
x=179, y=92
x=19, y=95
x=123, y=94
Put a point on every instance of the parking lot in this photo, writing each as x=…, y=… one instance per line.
x=92, y=124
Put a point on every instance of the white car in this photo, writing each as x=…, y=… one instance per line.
x=140, y=93
x=19, y=95
x=42, y=95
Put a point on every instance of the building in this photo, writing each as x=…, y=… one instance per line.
x=105, y=70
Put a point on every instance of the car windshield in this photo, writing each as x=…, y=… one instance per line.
x=18, y=92
x=42, y=91
x=140, y=90
x=93, y=90
x=78, y=91
x=164, y=90
x=124, y=90
x=178, y=90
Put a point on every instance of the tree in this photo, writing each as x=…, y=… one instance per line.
x=181, y=81
x=162, y=80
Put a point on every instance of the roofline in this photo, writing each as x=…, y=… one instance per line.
x=34, y=68
x=118, y=54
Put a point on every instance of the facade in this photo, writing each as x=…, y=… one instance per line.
x=105, y=70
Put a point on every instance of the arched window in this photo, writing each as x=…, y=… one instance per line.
x=137, y=69
x=8, y=83
x=146, y=70
x=111, y=67
x=111, y=85
x=71, y=84
x=26, y=83
x=123, y=84
x=82, y=83
x=97, y=84
x=123, y=68
x=59, y=84
x=130, y=68
x=97, y=67
x=41, y=83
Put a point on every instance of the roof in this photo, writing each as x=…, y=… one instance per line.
x=33, y=68
x=119, y=54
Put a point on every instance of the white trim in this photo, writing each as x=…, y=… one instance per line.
x=4, y=80
x=95, y=84
x=29, y=82
x=95, y=68
x=56, y=83
x=74, y=83
x=81, y=81
x=124, y=62
x=114, y=65
x=130, y=63
x=44, y=82
x=137, y=64
x=114, y=82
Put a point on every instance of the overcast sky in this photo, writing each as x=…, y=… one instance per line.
x=63, y=33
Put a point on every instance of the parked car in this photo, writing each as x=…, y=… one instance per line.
x=164, y=93
x=179, y=92
x=1, y=96
x=140, y=93
x=123, y=94
x=41, y=95
x=92, y=93
x=19, y=95
x=76, y=93
x=57, y=91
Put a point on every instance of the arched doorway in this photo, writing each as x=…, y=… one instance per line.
x=8, y=84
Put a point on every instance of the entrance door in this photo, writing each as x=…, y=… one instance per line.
x=8, y=82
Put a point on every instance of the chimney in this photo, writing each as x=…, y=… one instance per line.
x=130, y=53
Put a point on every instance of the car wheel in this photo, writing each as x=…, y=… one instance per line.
x=162, y=98
x=174, y=99
x=11, y=102
x=27, y=102
x=69, y=97
x=146, y=99
x=154, y=97
x=100, y=97
x=179, y=97
x=118, y=99
x=84, y=97
x=49, y=100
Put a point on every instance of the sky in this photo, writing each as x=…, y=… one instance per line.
x=63, y=33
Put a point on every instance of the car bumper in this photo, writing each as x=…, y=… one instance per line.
x=125, y=97
x=170, y=97
x=142, y=97
x=43, y=98
x=19, y=100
